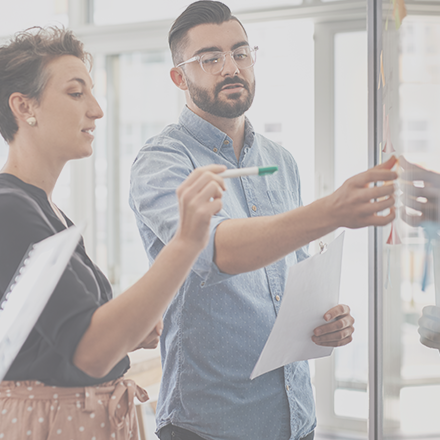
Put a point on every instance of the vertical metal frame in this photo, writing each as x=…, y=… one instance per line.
x=375, y=320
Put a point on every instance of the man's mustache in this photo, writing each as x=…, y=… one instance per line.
x=229, y=80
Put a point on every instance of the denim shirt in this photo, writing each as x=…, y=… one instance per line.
x=217, y=325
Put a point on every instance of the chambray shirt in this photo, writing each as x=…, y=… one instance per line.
x=217, y=325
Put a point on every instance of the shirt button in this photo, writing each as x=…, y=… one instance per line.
x=202, y=283
x=287, y=387
x=254, y=208
x=215, y=150
x=226, y=142
x=277, y=297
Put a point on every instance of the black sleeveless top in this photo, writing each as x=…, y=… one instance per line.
x=48, y=351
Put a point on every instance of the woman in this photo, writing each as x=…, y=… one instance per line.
x=67, y=380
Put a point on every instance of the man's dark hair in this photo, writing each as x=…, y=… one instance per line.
x=200, y=12
x=23, y=63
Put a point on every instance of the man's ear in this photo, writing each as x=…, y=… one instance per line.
x=178, y=78
x=22, y=107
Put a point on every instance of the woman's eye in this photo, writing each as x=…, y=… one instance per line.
x=76, y=95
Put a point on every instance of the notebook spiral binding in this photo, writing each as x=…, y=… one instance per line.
x=18, y=273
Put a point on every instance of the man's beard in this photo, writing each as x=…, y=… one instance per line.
x=233, y=107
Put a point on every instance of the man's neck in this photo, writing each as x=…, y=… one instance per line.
x=234, y=128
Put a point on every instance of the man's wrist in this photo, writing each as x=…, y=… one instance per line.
x=327, y=207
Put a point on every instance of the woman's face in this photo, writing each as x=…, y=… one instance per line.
x=67, y=111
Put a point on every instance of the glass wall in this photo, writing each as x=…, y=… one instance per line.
x=106, y=12
x=351, y=364
x=18, y=15
x=409, y=79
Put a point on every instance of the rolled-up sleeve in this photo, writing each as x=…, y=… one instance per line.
x=156, y=174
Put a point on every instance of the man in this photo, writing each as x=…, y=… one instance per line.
x=218, y=323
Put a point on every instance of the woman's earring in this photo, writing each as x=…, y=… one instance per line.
x=31, y=121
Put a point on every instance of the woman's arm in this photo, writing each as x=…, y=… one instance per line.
x=120, y=325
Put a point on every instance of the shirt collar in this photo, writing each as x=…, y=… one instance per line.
x=210, y=136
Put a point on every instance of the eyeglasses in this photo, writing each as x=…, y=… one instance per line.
x=213, y=62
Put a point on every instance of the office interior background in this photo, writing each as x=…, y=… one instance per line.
x=312, y=97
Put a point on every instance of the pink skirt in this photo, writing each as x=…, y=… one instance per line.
x=32, y=410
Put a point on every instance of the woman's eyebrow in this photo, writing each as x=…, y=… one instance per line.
x=81, y=81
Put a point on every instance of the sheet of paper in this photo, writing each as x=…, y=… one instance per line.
x=32, y=287
x=312, y=289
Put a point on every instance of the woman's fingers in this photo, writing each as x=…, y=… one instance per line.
x=203, y=174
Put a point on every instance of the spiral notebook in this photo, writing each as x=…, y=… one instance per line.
x=30, y=290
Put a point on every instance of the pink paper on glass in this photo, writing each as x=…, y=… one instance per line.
x=394, y=236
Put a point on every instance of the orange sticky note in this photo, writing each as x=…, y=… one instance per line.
x=382, y=73
x=399, y=12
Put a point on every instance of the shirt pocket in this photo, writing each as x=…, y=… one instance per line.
x=282, y=200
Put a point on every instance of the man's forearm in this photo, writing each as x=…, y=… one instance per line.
x=244, y=245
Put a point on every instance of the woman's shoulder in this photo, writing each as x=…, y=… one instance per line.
x=21, y=216
x=15, y=202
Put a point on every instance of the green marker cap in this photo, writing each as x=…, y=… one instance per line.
x=265, y=171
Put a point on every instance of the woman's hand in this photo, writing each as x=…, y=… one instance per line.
x=199, y=199
x=152, y=340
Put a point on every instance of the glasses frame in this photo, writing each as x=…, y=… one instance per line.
x=223, y=54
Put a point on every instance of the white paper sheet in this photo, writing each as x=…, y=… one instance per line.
x=312, y=289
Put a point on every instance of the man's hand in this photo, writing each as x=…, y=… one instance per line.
x=356, y=204
x=429, y=327
x=336, y=333
x=152, y=340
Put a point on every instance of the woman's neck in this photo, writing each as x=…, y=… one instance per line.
x=32, y=167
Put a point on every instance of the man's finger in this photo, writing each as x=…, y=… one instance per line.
x=334, y=312
x=388, y=164
x=374, y=175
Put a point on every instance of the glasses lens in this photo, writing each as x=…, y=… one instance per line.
x=212, y=62
x=244, y=57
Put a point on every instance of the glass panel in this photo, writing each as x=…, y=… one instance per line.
x=148, y=101
x=410, y=87
x=351, y=157
x=283, y=46
x=129, y=11
x=26, y=13
x=100, y=158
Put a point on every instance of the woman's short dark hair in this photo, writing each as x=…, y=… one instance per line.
x=22, y=67
x=200, y=12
